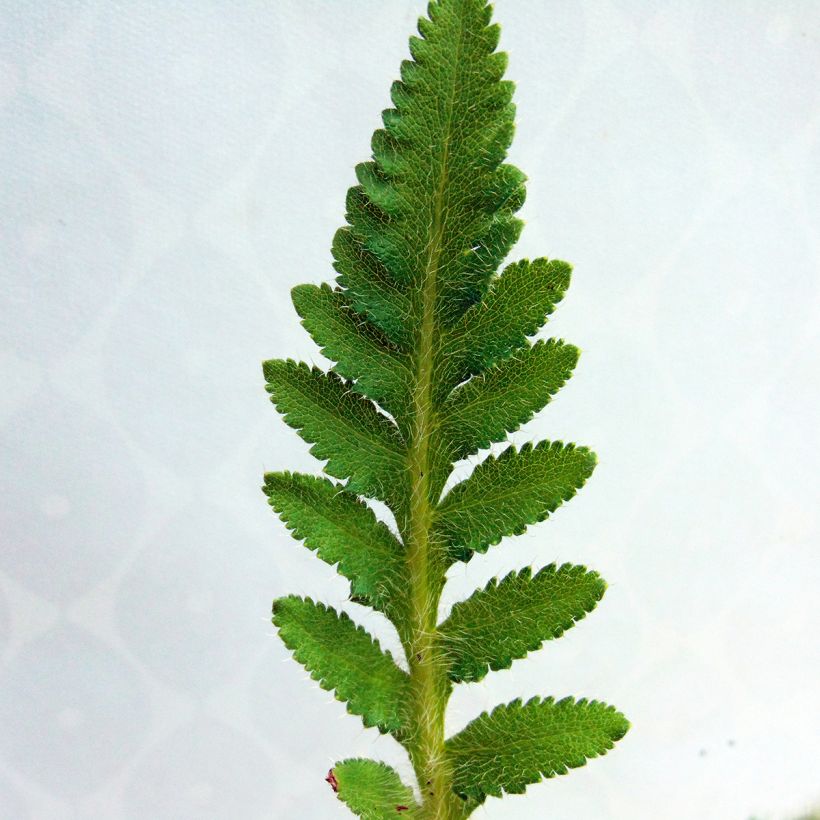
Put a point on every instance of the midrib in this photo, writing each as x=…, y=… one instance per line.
x=428, y=675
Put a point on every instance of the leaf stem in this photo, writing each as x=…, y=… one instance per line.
x=429, y=683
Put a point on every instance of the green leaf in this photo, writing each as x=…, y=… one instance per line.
x=373, y=790
x=342, y=656
x=359, y=443
x=516, y=306
x=434, y=361
x=344, y=531
x=436, y=205
x=487, y=407
x=518, y=744
x=371, y=289
x=505, y=494
x=361, y=351
x=507, y=619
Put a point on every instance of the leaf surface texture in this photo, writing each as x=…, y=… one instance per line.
x=506, y=494
x=505, y=396
x=362, y=353
x=342, y=656
x=343, y=531
x=514, y=616
x=359, y=443
x=373, y=790
x=519, y=743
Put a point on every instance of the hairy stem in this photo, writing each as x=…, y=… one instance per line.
x=430, y=685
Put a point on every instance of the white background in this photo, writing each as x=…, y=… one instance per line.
x=169, y=170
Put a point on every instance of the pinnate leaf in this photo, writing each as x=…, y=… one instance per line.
x=508, y=618
x=434, y=361
x=506, y=494
x=518, y=744
x=359, y=443
x=342, y=656
x=373, y=790
x=343, y=530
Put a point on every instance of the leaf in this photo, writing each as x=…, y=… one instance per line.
x=344, y=531
x=505, y=494
x=373, y=790
x=505, y=396
x=360, y=350
x=434, y=361
x=342, y=656
x=516, y=306
x=518, y=744
x=507, y=619
x=435, y=208
x=371, y=289
x=359, y=443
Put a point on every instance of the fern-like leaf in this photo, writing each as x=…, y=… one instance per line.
x=342, y=656
x=433, y=360
x=514, y=616
x=517, y=744
x=372, y=790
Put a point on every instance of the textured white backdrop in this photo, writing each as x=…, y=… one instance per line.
x=170, y=169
